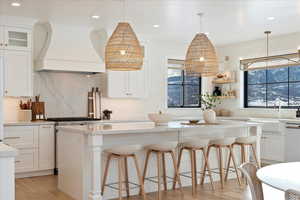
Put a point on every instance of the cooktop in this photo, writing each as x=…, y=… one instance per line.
x=70, y=119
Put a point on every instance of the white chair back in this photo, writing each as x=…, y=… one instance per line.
x=249, y=170
x=292, y=195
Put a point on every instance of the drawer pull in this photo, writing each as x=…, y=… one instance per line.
x=17, y=161
x=11, y=138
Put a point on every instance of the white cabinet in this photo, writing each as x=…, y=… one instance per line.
x=46, y=147
x=273, y=147
x=16, y=61
x=129, y=84
x=35, y=145
x=14, y=38
x=17, y=73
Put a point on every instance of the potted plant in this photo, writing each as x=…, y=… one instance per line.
x=208, y=102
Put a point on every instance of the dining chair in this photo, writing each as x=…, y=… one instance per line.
x=249, y=170
x=292, y=195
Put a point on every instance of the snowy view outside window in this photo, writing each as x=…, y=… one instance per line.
x=265, y=87
x=183, y=90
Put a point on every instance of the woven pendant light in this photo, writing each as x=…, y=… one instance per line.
x=201, y=59
x=123, y=51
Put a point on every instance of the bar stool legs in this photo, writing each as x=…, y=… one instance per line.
x=220, y=161
x=192, y=152
x=123, y=174
x=231, y=157
x=161, y=169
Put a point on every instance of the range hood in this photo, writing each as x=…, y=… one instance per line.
x=70, y=48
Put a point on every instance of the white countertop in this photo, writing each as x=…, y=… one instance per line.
x=147, y=127
x=34, y=123
x=7, y=151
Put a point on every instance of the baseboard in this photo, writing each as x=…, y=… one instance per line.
x=34, y=174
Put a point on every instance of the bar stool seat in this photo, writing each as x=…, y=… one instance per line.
x=124, y=150
x=246, y=140
x=222, y=141
x=167, y=146
x=160, y=150
x=121, y=154
x=195, y=143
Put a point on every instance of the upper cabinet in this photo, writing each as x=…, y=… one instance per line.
x=127, y=84
x=14, y=38
x=17, y=73
x=16, y=55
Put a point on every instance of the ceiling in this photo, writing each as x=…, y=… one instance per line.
x=227, y=21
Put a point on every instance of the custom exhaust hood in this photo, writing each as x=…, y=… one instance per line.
x=68, y=48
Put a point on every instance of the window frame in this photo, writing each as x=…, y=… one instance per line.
x=288, y=82
x=183, y=84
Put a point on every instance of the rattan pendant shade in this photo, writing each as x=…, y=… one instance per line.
x=201, y=58
x=123, y=51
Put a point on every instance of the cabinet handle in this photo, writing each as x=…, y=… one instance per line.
x=1, y=44
x=11, y=138
x=264, y=138
x=46, y=126
x=17, y=161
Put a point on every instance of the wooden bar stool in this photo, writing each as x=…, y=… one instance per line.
x=192, y=145
x=220, y=144
x=161, y=150
x=122, y=154
x=243, y=142
x=247, y=141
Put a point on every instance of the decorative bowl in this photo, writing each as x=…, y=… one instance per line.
x=160, y=119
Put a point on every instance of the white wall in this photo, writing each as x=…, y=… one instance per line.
x=257, y=48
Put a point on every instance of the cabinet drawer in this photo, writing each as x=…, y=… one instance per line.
x=26, y=160
x=21, y=136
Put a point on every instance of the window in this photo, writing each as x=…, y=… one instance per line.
x=264, y=87
x=183, y=90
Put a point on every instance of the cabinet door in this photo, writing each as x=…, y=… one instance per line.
x=18, y=73
x=2, y=43
x=21, y=137
x=137, y=84
x=17, y=38
x=46, y=147
x=117, y=84
x=272, y=147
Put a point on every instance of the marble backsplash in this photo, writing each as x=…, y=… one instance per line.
x=64, y=94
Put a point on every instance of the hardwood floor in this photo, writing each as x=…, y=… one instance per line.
x=45, y=188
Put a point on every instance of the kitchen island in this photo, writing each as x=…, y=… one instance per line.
x=80, y=149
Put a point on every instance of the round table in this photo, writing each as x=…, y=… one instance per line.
x=281, y=176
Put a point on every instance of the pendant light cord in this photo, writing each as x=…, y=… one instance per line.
x=124, y=10
x=267, y=33
x=201, y=23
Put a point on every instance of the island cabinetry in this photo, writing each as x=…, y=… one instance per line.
x=35, y=144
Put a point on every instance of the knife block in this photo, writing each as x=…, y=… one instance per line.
x=38, y=111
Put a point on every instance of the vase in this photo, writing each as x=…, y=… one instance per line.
x=209, y=116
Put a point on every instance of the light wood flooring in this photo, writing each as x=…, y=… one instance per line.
x=45, y=188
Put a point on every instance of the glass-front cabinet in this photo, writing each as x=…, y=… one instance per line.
x=15, y=38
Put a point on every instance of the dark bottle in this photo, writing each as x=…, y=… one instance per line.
x=217, y=91
x=298, y=112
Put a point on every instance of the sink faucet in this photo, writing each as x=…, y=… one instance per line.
x=278, y=102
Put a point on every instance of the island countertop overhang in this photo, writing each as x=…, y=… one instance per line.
x=149, y=127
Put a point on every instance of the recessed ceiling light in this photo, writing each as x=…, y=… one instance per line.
x=156, y=26
x=271, y=18
x=15, y=4
x=95, y=16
